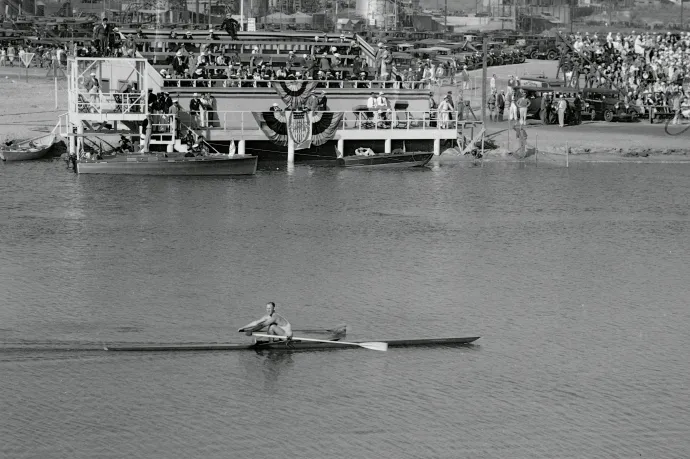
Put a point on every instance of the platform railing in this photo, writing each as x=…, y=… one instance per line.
x=321, y=84
x=113, y=102
x=244, y=121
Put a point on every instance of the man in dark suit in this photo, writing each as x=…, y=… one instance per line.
x=501, y=104
x=179, y=64
x=230, y=26
x=101, y=33
x=194, y=107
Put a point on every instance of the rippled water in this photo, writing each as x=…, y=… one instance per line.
x=575, y=279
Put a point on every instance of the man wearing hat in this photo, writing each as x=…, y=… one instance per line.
x=323, y=102
x=179, y=63
x=174, y=112
x=501, y=104
x=562, y=107
x=129, y=46
x=291, y=60
x=230, y=26
x=101, y=33
x=194, y=107
x=523, y=104
x=93, y=86
x=378, y=60
x=465, y=78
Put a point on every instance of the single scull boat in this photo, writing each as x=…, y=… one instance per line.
x=293, y=345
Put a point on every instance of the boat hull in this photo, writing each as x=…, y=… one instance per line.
x=400, y=160
x=152, y=165
x=43, y=146
x=293, y=346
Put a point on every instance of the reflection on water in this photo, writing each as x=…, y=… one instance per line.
x=563, y=273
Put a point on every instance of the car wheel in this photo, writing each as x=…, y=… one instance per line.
x=498, y=61
x=533, y=55
x=593, y=115
x=522, y=59
x=552, y=55
x=608, y=116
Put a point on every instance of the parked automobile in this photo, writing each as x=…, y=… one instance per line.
x=542, y=48
x=535, y=95
x=606, y=104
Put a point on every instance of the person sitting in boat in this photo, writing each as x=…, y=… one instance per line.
x=125, y=145
x=274, y=323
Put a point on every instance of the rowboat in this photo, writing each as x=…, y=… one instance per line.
x=387, y=160
x=29, y=149
x=295, y=345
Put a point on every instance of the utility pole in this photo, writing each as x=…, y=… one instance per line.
x=446, y=23
x=485, y=45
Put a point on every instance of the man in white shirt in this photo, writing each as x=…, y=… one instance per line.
x=382, y=106
x=372, y=106
x=371, y=101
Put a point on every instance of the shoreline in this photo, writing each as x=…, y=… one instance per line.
x=30, y=112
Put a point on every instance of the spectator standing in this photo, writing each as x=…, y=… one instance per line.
x=501, y=104
x=523, y=104
x=562, y=107
x=491, y=104
x=465, y=78
x=543, y=109
x=194, y=107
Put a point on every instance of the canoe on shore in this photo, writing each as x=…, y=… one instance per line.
x=37, y=148
x=294, y=345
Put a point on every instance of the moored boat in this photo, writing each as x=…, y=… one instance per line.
x=388, y=160
x=220, y=165
x=37, y=148
x=293, y=345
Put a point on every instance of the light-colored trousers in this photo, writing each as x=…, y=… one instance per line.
x=523, y=115
x=512, y=112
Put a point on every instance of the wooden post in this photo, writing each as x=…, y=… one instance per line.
x=437, y=146
x=509, y=132
x=291, y=151
x=241, y=146
x=483, y=134
x=567, y=155
x=485, y=42
x=56, y=94
x=387, y=145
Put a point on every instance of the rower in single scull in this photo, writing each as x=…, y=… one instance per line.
x=274, y=323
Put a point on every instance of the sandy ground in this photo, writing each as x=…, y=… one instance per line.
x=28, y=109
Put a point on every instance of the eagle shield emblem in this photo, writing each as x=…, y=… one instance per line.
x=299, y=128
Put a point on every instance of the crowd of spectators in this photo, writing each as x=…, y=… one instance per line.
x=11, y=55
x=650, y=69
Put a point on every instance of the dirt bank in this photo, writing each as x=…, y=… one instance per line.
x=28, y=109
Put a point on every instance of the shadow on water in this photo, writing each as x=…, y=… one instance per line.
x=267, y=366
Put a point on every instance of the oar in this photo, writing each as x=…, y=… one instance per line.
x=374, y=346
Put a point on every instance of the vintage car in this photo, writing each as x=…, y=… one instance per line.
x=542, y=48
x=535, y=96
x=606, y=104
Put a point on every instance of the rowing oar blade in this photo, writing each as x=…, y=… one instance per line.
x=374, y=346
